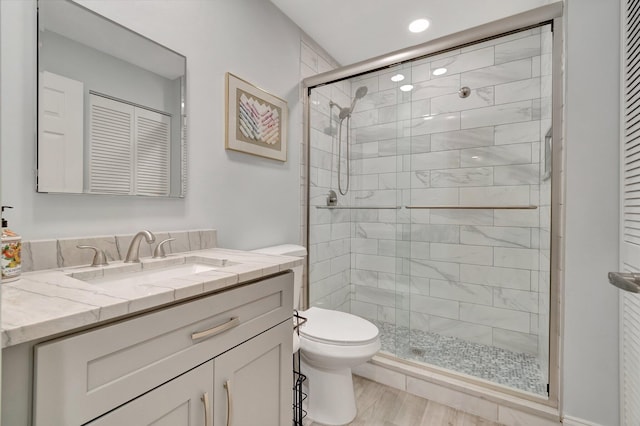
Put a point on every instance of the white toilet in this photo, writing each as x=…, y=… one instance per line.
x=331, y=343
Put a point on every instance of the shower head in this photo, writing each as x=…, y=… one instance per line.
x=361, y=92
x=346, y=112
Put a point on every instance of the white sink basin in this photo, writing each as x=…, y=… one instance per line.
x=150, y=272
x=153, y=275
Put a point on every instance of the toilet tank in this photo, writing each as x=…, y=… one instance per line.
x=289, y=250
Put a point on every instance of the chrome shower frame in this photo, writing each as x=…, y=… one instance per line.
x=548, y=14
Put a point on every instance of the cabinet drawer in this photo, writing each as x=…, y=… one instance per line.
x=80, y=377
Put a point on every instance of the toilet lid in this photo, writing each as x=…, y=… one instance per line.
x=339, y=328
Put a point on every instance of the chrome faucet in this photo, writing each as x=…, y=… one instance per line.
x=133, y=254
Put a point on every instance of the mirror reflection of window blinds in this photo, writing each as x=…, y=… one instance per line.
x=110, y=141
x=129, y=149
x=152, y=153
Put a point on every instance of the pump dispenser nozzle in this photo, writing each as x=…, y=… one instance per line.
x=4, y=221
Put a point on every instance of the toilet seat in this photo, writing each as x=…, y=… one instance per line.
x=337, y=328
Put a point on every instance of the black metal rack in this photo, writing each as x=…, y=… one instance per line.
x=298, y=377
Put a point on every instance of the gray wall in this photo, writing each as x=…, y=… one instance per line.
x=592, y=175
x=251, y=201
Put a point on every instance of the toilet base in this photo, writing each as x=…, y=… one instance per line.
x=331, y=398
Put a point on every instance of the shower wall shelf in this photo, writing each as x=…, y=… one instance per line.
x=360, y=207
x=474, y=207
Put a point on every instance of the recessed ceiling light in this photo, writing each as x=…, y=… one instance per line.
x=397, y=77
x=439, y=71
x=418, y=26
x=406, y=88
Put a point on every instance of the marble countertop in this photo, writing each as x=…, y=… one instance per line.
x=54, y=301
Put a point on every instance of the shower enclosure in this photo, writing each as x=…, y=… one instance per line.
x=430, y=206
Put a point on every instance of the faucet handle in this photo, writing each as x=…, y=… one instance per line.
x=159, y=253
x=99, y=257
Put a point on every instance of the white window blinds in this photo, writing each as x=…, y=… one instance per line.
x=630, y=244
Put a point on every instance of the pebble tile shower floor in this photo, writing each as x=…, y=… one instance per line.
x=516, y=370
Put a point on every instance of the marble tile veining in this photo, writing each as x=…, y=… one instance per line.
x=48, y=254
x=471, y=274
x=44, y=303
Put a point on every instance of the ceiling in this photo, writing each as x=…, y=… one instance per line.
x=356, y=30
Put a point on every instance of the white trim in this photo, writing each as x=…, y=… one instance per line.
x=574, y=421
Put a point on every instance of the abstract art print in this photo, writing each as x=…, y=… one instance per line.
x=256, y=121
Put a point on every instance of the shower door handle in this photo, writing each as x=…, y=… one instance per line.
x=625, y=281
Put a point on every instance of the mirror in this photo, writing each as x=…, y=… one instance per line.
x=111, y=107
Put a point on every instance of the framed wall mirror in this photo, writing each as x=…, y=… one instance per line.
x=111, y=107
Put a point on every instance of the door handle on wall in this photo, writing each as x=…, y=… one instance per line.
x=625, y=281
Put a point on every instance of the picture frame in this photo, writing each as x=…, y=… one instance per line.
x=255, y=120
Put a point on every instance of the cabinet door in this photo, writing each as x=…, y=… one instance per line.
x=105, y=367
x=180, y=402
x=253, y=382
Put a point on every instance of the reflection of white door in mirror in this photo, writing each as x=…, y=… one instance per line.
x=60, y=134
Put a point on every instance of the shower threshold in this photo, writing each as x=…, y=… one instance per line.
x=516, y=370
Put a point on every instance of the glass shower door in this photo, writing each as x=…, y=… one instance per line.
x=430, y=207
x=480, y=210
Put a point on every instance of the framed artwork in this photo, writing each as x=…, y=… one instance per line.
x=255, y=120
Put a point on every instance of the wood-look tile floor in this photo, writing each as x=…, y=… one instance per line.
x=380, y=405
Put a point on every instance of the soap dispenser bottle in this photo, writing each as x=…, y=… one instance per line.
x=10, y=261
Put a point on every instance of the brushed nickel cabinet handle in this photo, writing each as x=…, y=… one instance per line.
x=207, y=409
x=233, y=321
x=227, y=386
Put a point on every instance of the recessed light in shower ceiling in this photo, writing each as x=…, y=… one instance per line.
x=406, y=88
x=439, y=71
x=397, y=77
x=419, y=25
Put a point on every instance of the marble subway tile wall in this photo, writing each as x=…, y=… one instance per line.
x=329, y=239
x=481, y=275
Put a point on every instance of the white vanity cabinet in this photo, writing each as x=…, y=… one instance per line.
x=181, y=402
x=233, y=346
x=248, y=381
x=243, y=386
